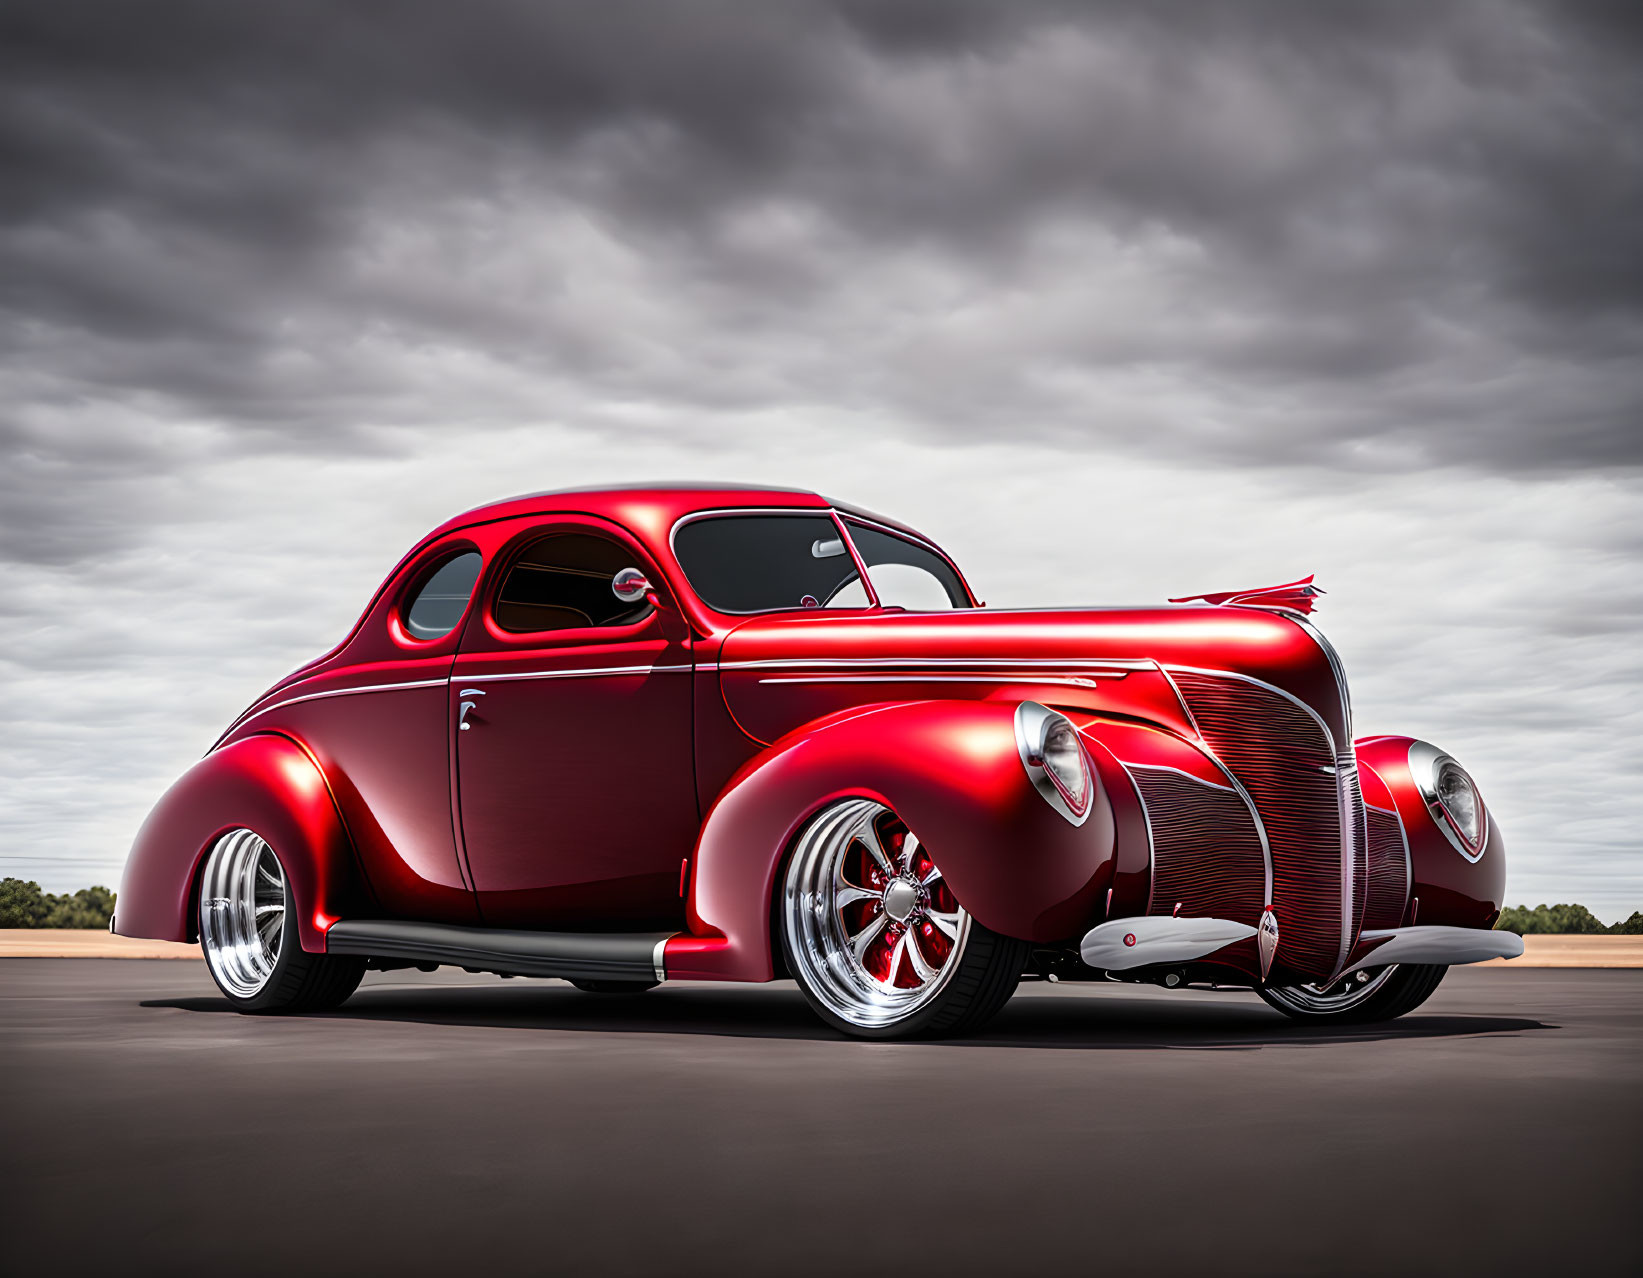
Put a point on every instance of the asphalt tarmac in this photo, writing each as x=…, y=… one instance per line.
x=454, y=1124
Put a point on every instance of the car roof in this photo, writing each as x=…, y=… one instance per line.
x=656, y=506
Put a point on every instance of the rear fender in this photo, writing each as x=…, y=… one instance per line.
x=267, y=784
x=1451, y=890
x=951, y=770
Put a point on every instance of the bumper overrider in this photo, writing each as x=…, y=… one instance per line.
x=1125, y=944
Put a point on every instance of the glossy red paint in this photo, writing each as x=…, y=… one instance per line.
x=576, y=796
x=950, y=769
x=266, y=783
x=1451, y=889
x=574, y=799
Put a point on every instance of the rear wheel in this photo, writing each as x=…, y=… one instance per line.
x=875, y=937
x=253, y=955
x=1362, y=994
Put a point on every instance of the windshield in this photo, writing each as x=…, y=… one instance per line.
x=765, y=563
x=769, y=563
x=905, y=574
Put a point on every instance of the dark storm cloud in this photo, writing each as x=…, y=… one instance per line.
x=1351, y=236
x=1227, y=293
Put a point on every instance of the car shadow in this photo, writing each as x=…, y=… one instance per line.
x=1060, y=1019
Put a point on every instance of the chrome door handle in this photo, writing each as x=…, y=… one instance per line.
x=462, y=717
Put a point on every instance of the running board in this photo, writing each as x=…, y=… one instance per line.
x=593, y=956
x=1146, y=940
x=1445, y=946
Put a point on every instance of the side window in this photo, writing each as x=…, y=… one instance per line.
x=768, y=563
x=562, y=582
x=443, y=598
x=906, y=575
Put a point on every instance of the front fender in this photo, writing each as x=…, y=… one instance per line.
x=267, y=784
x=1444, y=886
x=951, y=770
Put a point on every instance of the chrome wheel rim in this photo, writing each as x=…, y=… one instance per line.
x=871, y=923
x=1346, y=991
x=242, y=912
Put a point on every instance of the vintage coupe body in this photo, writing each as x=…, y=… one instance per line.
x=702, y=733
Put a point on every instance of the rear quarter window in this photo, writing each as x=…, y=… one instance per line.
x=438, y=604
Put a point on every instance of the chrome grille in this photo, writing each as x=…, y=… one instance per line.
x=1206, y=852
x=1308, y=799
x=1387, y=890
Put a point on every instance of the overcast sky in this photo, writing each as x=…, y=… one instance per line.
x=1118, y=302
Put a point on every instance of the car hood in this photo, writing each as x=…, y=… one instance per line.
x=780, y=672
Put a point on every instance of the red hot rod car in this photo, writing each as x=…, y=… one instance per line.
x=693, y=733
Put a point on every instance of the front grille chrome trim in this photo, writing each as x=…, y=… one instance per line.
x=1348, y=798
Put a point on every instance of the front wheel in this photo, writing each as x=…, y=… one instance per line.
x=875, y=937
x=253, y=954
x=1360, y=995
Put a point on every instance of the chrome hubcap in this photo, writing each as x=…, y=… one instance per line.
x=242, y=912
x=871, y=923
x=901, y=900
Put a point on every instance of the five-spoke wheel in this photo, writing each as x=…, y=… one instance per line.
x=875, y=936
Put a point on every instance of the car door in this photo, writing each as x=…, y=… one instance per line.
x=375, y=718
x=571, y=718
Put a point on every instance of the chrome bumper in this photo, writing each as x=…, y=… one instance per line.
x=1146, y=941
x=1142, y=942
x=1441, y=945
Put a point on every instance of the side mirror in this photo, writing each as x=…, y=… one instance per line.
x=630, y=586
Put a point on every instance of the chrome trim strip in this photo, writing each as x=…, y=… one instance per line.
x=912, y=676
x=1185, y=708
x=1164, y=767
x=1336, y=666
x=592, y=672
x=341, y=692
x=1344, y=781
x=1115, y=668
x=658, y=958
x=917, y=539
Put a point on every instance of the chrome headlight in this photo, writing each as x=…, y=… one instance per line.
x=1055, y=760
x=1451, y=797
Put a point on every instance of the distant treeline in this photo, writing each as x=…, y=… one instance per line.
x=23, y=904
x=1564, y=919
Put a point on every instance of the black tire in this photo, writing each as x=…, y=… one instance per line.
x=283, y=978
x=304, y=982
x=614, y=987
x=989, y=971
x=1405, y=988
x=862, y=911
